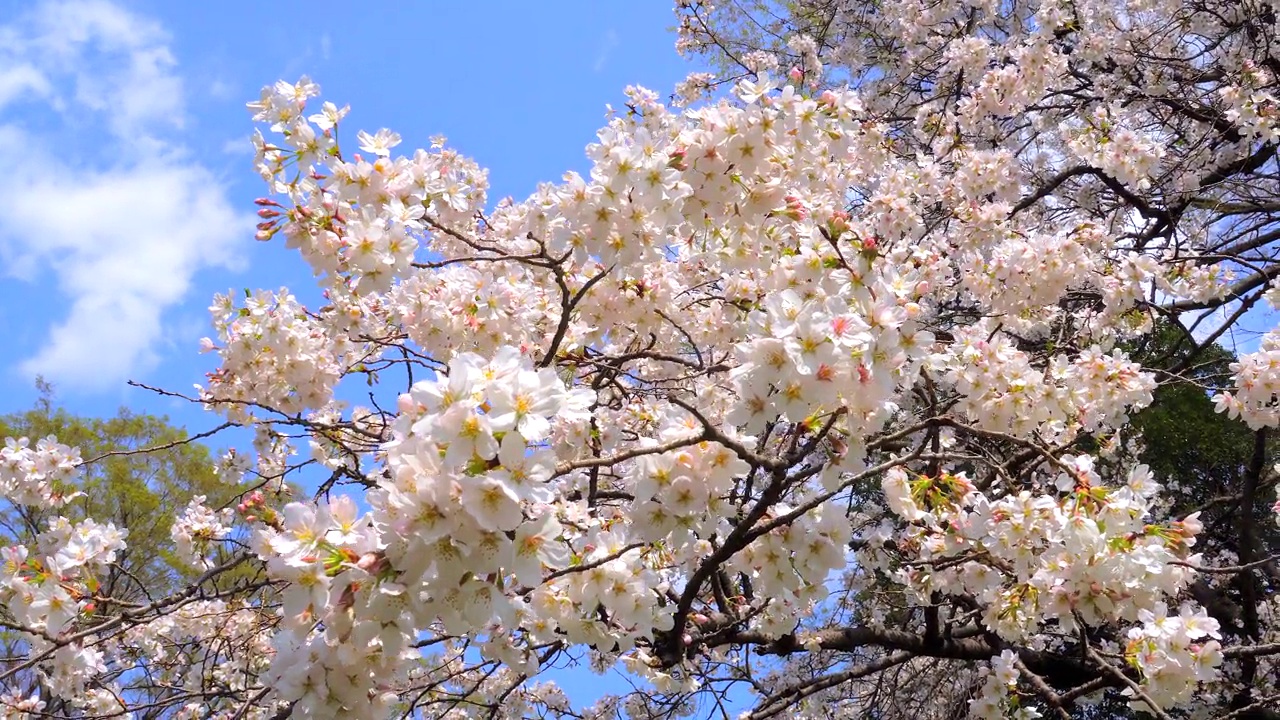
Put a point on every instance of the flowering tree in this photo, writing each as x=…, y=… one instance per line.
x=816, y=395
x=117, y=484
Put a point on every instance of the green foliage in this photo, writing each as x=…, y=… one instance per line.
x=1185, y=439
x=141, y=471
x=1203, y=453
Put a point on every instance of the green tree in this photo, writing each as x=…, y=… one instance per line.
x=139, y=472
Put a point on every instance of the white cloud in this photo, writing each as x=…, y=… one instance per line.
x=123, y=236
x=220, y=89
x=17, y=80
x=607, y=45
x=238, y=146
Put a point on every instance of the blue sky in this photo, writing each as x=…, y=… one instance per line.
x=129, y=183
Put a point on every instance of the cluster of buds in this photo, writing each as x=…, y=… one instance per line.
x=270, y=218
x=254, y=508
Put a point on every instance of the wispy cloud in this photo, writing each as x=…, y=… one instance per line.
x=220, y=89
x=101, y=191
x=607, y=45
x=238, y=146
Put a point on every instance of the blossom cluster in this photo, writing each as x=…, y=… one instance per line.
x=997, y=697
x=198, y=529
x=274, y=355
x=460, y=515
x=1256, y=395
x=1174, y=652
x=1082, y=553
x=36, y=475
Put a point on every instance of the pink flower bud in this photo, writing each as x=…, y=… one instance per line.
x=372, y=563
